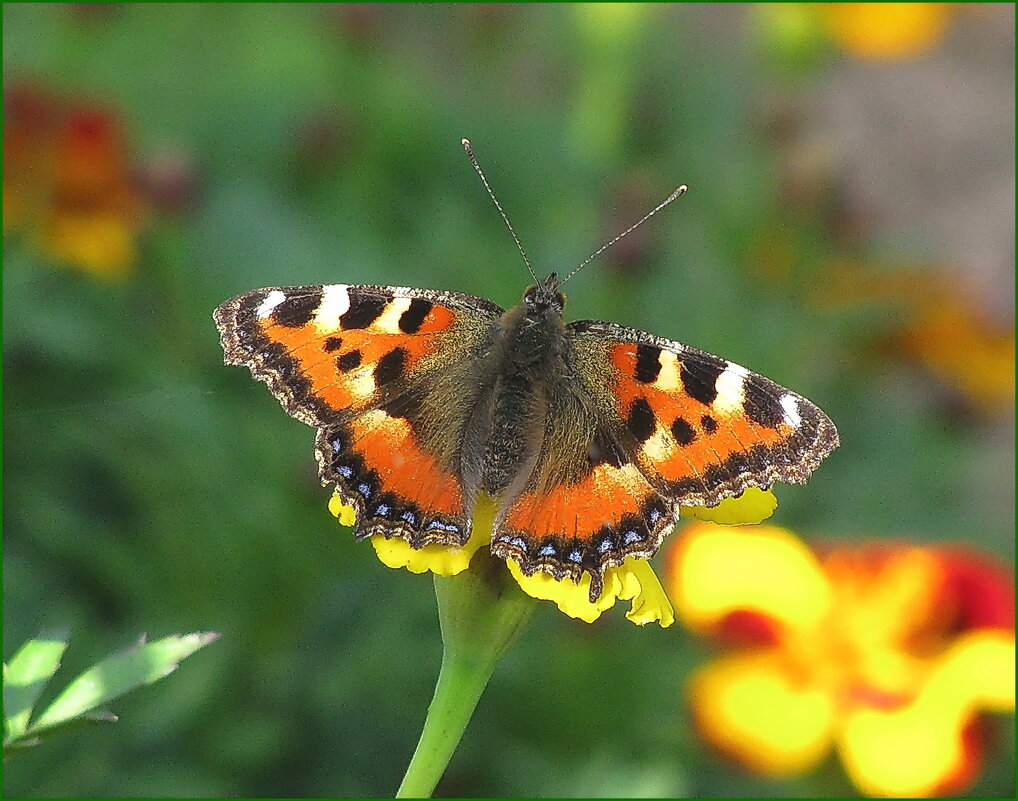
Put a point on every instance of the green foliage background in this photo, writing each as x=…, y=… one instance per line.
x=148, y=487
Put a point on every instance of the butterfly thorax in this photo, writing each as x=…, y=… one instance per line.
x=529, y=347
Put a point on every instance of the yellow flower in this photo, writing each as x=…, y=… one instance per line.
x=634, y=580
x=754, y=505
x=798, y=32
x=885, y=653
x=887, y=31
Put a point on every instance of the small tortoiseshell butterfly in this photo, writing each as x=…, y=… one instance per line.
x=589, y=435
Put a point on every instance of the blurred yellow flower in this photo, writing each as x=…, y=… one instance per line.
x=634, y=580
x=887, y=653
x=887, y=31
x=67, y=183
x=797, y=32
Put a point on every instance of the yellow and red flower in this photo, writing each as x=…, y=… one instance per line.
x=634, y=580
x=888, y=653
x=67, y=183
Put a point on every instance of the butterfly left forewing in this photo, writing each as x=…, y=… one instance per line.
x=379, y=371
x=707, y=428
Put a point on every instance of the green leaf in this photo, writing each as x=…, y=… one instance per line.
x=26, y=676
x=118, y=674
x=88, y=719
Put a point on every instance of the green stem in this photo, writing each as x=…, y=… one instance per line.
x=460, y=684
x=482, y=612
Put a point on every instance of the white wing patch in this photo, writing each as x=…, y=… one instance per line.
x=790, y=405
x=729, y=386
x=388, y=320
x=335, y=302
x=273, y=299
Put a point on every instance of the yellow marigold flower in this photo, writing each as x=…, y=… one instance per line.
x=885, y=653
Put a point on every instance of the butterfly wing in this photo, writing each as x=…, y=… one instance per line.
x=380, y=371
x=646, y=425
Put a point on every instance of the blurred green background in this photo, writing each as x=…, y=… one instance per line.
x=848, y=232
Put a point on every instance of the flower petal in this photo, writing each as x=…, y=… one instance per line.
x=346, y=514
x=640, y=584
x=444, y=560
x=749, y=707
x=978, y=671
x=713, y=572
x=980, y=588
x=753, y=506
x=633, y=580
x=921, y=749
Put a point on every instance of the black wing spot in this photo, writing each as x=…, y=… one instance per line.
x=640, y=420
x=363, y=311
x=648, y=363
x=297, y=310
x=405, y=406
x=762, y=403
x=412, y=319
x=332, y=344
x=390, y=366
x=683, y=431
x=349, y=361
x=708, y=424
x=700, y=376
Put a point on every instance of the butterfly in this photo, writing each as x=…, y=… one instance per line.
x=588, y=435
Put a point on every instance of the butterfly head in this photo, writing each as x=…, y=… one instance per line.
x=544, y=296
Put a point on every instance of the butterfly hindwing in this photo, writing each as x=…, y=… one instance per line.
x=379, y=371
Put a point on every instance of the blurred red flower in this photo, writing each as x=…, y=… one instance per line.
x=68, y=183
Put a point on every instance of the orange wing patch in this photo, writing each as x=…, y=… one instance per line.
x=711, y=428
x=387, y=444
x=585, y=526
x=327, y=349
x=395, y=487
x=577, y=511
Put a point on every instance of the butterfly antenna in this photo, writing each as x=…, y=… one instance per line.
x=480, y=172
x=676, y=194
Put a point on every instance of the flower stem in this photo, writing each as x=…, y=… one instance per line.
x=482, y=612
x=460, y=684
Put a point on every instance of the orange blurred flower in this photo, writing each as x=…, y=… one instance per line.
x=67, y=183
x=938, y=324
x=887, y=653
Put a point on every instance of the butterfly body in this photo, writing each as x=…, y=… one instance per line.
x=589, y=436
